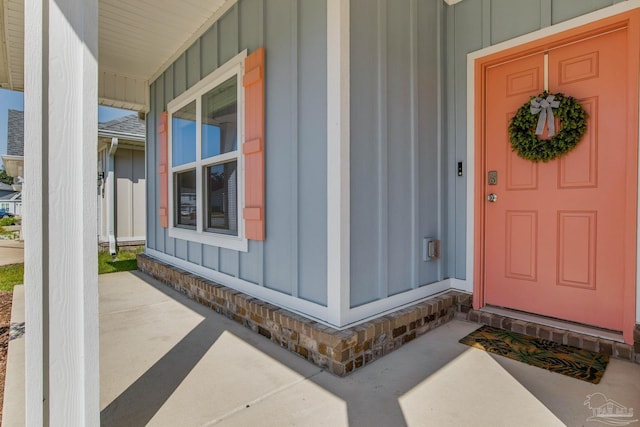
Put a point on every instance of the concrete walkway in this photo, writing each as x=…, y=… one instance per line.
x=11, y=252
x=167, y=361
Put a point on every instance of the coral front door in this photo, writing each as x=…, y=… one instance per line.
x=554, y=237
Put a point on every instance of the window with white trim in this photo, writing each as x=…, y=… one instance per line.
x=205, y=160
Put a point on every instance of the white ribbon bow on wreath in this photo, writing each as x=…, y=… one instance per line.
x=545, y=107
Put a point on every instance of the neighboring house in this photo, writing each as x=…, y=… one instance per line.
x=121, y=207
x=14, y=159
x=5, y=189
x=11, y=202
x=314, y=155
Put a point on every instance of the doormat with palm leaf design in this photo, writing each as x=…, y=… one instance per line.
x=584, y=365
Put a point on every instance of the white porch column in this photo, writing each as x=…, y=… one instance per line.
x=338, y=163
x=62, y=373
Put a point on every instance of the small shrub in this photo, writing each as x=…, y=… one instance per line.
x=7, y=221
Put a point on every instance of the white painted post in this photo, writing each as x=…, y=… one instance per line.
x=338, y=163
x=61, y=283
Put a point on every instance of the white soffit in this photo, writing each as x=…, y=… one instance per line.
x=4, y=68
x=452, y=2
x=137, y=38
x=12, y=39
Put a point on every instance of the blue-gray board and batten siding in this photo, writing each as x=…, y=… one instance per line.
x=472, y=25
x=408, y=132
x=395, y=146
x=293, y=258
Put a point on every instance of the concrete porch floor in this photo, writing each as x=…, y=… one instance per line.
x=165, y=360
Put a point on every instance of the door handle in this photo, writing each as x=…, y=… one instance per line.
x=492, y=197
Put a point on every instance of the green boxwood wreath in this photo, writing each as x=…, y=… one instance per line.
x=522, y=130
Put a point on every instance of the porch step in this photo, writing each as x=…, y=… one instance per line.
x=581, y=337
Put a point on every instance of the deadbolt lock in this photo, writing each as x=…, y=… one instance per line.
x=492, y=179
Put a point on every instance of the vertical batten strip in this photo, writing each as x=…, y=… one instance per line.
x=413, y=99
x=216, y=55
x=439, y=132
x=218, y=44
x=450, y=155
x=486, y=23
x=295, y=160
x=545, y=13
x=236, y=21
x=383, y=147
x=259, y=248
x=338, y=161
x=261, y=22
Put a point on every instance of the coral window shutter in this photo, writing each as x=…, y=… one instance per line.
x=163, y=169
x=253, y=148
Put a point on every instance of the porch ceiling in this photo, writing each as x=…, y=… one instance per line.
x=137, y=39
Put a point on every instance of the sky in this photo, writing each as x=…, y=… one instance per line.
x=10, y=100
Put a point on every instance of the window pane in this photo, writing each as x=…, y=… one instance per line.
x=222, y=198
x=183, y=135
x=220, y=119
x=185, y=203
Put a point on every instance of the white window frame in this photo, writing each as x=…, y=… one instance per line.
x=233, y=67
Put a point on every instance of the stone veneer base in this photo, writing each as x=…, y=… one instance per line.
x=337, y=351
x=561, y=336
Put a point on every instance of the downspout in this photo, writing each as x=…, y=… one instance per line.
x=111, y=193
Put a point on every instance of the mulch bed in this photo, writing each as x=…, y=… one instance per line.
x=5, y=320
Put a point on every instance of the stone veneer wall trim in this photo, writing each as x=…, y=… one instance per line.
x=561, y=336
x=337, y=351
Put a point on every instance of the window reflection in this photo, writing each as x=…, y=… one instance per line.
x=183, y=134
x=220, y=119
x=185, y=199
x=222, y=198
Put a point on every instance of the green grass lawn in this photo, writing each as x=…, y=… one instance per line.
x=124, y=261
x=11, y=275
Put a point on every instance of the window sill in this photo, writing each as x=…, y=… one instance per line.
x=220, y=240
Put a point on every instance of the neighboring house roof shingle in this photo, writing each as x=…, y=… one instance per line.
x=131, y=126
x=15, y=133
x=15, y=195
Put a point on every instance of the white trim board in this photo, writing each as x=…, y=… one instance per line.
x=467, y=284
x=299, y=306
x=393, y=303
x=338, y=162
